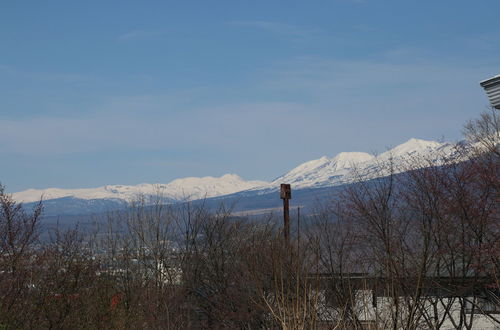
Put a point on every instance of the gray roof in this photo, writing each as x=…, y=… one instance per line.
x=492, y=88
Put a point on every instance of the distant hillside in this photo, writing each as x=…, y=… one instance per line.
x=309, y=180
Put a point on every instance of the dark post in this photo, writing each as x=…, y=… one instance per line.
x=286, y=195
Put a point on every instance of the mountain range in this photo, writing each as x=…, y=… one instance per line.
x=324, y=172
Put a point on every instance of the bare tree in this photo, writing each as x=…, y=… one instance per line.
x=485, y=131
x=18, y=236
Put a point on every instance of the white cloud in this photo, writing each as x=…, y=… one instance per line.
x=219, y=127
x=320, y=77
x=336, y=104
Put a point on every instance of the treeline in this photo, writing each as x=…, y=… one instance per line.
x=418, y=250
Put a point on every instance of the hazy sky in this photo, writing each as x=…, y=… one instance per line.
x=124, y=92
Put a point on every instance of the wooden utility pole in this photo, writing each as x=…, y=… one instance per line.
x=286, y=195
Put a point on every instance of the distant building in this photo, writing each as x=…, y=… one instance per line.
x=443, y=302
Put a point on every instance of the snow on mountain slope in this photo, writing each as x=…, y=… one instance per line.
x=323, y=172
x=412, y=147
x=181, y=189
x=344, y=167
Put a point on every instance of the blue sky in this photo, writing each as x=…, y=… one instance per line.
x=125, y=92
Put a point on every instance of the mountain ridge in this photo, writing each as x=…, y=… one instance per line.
x=322, y=172
x=179, y=189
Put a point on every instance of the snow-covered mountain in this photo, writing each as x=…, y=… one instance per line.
x=181, y=189
x=345, y=167
x=341, y=169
